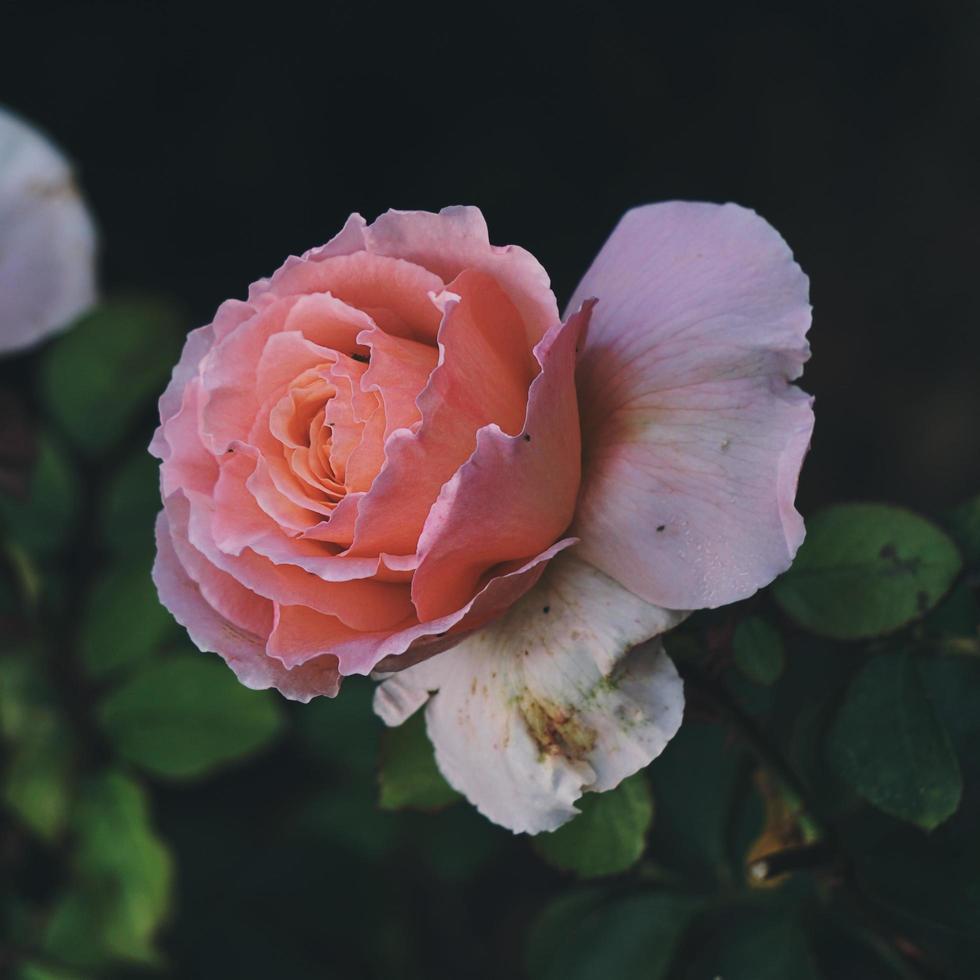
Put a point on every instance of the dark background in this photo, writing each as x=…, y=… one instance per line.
x=212, y=144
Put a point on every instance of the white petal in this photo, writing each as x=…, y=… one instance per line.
x=47, y=239
x=548, y=702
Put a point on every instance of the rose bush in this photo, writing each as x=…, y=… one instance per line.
x=396, y=447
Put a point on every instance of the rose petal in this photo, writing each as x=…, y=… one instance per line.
x=300, y=633
x=522, y=486
x=398, y=372
x=284, y=358
x=456, y=239
x=345, y=588
x=245, y=610
x=244, y=652
x=47, y=239
x=483, y=376
x=367, y=282
x=196, y=346
x=328, y=322
x=693, y=436
x=186, y=463
x=228, y=372
x=547, y=702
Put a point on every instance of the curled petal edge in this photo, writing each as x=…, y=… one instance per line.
x=554, y=699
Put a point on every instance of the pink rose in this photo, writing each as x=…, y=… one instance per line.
x=396, y=447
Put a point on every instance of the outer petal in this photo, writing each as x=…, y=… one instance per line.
x=360, y=601
x=693, y=435
x=300, y=633
x=393, y=292
x=243, y=651
x=456, y=239
x=524, y=486
x=47, y=239
x=548, y=701
x=481, y=327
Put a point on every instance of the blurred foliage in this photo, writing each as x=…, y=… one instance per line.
x=814, y=818
x=409, y=776
x=591, y=935
x=609, y=836
x=865, y=570
x=40, y=521
x=122, y=603
x=119, y=889
x=758, y=650
x=890, y=744
x=185, y=715
x=98, y=376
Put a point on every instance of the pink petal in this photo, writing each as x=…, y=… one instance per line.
x=292, y=518
x=301, y=633
x=328, y=322
x=398, y=372
x=228, y=376
x=242, y=608
x=339, y=587
x=483, y=377
x=456, y=239
x=284, y=358
x=522, y=486
x=243, y=651
x=196, y=346
x=186, y=463
x=367, y=282
x=693, y=435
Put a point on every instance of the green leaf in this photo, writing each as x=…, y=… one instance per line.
x=23, y=692
x=953, y=687
x=409, y=777
x=40, y=523
x=96, y=378
x=760, y=945
x=123, y=622
x=695, y=783
x=37, y=778
x=758, y=649
x=36, y=782
x=845, y=950
x=41, y=971
x=927, y=889
x=583, y=936
x=808, y=696
x=120, y=892
x=964, y=525
x=130, y=504
x=958, y=615
x=891, y=746
x=865, y=570
x=186, y=714
x=609, y=835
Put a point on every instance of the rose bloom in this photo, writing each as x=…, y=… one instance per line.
x=396, y=457
x=47, y=239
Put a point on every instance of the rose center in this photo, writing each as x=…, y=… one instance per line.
x=323, y=423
